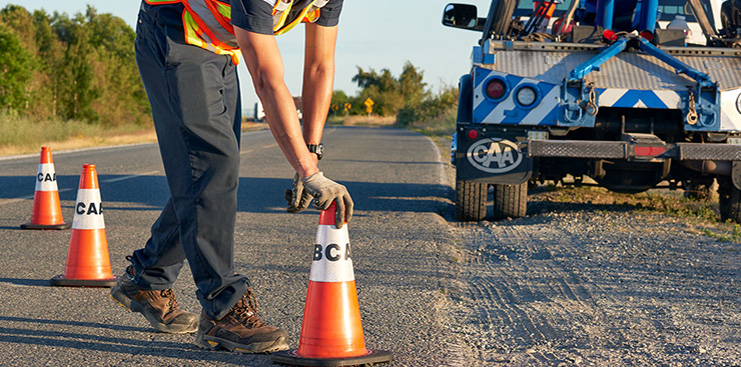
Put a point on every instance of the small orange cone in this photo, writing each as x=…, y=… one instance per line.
x=331, y=332
x=88, y=262
x=47, y=211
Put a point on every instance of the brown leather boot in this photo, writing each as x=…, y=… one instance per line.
x=159, y=307
x=241, y=330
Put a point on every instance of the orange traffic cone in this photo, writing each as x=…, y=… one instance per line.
x=47, y=211
x=331, y=332
x=88, y=262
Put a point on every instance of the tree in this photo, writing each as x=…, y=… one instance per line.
x=412, y=87
x=17, y=66
x=79, y=90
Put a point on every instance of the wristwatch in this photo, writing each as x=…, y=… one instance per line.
x=317, y=149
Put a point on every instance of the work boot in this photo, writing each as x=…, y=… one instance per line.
x=241, y=330
x=159, y=307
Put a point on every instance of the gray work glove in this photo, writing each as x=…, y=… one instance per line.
x=326, y=191
x=298, y=199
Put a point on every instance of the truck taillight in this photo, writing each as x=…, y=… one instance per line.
x=649, y=151
x=647, y=35
x=473, y=134
x=496, y=89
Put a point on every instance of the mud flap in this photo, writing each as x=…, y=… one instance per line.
x=491, y=155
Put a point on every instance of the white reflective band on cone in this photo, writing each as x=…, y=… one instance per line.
x=46, y=180
x=332, y=258
x=88, y=210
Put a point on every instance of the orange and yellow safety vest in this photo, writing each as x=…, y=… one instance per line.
x=207, y=23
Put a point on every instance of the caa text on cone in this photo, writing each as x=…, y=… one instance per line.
x=47, y=211
x=88, y=261
x=331, y=332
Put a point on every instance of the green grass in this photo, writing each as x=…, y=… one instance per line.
x=701, y=216
x=443, y=125
x=22, y=134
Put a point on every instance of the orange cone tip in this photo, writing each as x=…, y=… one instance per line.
x=88, y=262
x=47, y=210
x=331, y=331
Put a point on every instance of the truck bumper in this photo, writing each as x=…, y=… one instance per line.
x=632, y=151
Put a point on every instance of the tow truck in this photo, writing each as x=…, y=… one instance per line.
x=634, y=94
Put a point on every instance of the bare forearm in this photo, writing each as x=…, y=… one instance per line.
x=317, y=96
x=319, y=65
x=285, y=127
x=265, y=65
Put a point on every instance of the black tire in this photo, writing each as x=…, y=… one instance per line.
x=470, y=200
x=729, y=201
x=510, y=201
x=503, y=16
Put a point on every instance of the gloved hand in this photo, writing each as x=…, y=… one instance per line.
x=298, y=199
x=325, y=191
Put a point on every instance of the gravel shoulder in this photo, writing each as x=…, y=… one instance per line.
x=592, y=278
x=582, y=283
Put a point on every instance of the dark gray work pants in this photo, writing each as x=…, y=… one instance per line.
x=195, y=101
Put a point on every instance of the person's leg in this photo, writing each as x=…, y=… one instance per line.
x=145, y=286
x=194, y=97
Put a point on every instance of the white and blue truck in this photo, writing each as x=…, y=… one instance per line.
x=634, y=94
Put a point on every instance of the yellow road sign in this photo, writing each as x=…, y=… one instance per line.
x=368, y=103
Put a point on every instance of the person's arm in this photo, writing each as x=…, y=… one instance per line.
x=265, y=65
x=319, y=65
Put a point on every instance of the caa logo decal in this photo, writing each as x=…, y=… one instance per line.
x=494, y=155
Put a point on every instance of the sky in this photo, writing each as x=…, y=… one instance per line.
x=373, y=34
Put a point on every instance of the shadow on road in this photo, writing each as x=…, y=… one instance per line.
x=255, y=195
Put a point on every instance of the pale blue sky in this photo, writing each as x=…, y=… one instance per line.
x=374, y=34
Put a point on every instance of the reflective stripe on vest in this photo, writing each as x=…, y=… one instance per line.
x=287, y=15
x=207, y=24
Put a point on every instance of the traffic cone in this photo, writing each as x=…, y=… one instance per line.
x=88, y=262
x=47, y=211
x=331, y=332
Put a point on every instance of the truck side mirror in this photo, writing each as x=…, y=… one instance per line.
x=461, y=16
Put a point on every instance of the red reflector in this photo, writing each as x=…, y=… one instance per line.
x=473, y=134
x=609, y=35
x=647, y=35
x=649, y=151
x=495, y=89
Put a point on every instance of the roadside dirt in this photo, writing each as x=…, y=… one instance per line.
x=112, y=139
x=589, y=284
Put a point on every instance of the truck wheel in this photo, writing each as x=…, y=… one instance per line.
x=729, y=201
x=470, y=200
x=510, y=201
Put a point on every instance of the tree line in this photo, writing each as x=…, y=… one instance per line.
x=57, y=67
x=70, y=68
x=407, y=96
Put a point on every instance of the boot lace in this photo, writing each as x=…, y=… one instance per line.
x=172, y=304
x=246, y=310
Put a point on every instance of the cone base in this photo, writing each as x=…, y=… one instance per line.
x=30, y=225
x=291, y=357
x=61, y=281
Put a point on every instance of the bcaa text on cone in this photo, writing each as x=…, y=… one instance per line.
x=47, y=211
x=88, y=261
x=331, y=332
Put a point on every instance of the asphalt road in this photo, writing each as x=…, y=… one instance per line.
x=401, y=253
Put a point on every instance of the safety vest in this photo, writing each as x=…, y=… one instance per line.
x=207, y=23
x=289, y=13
